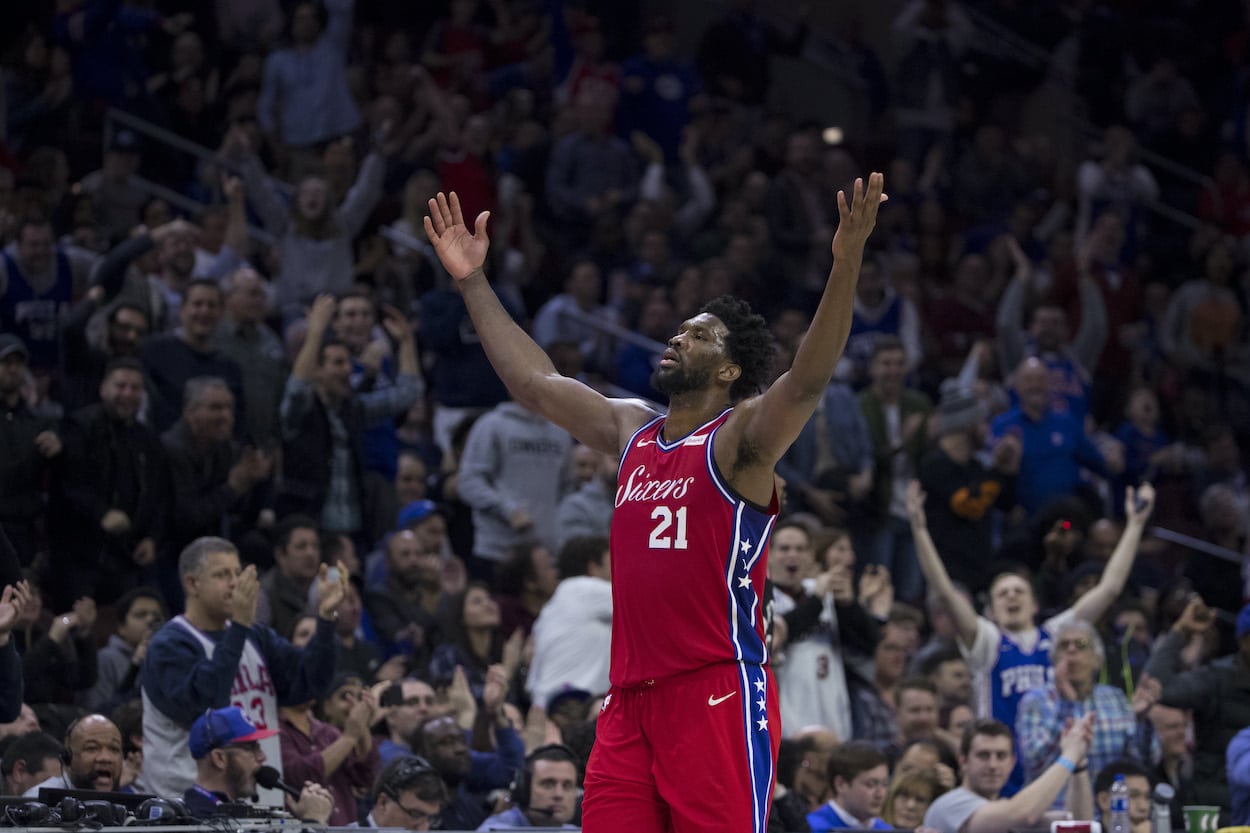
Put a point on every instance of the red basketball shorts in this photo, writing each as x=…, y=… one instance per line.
x=687, y=754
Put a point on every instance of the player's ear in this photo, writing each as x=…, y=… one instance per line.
x=729, y=373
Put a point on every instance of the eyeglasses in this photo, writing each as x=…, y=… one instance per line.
x=1081, y=644
x=434, y=820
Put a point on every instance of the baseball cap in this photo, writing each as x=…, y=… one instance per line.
x=959, y=409
x=341, y=679
x=221, y=727
x=416, y=512
x=567, y=694
x=10, y=344
x=1243, y=622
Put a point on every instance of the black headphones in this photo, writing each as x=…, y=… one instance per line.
x=522, y=782
x=162, y=811
x=67, y=756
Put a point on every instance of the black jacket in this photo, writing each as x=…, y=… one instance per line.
x=107, y=464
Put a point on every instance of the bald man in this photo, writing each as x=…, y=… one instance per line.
x=93, y=757
x=1054, y=447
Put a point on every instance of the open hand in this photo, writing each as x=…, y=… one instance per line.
x=857, y=218
x=331, y=590
x=461, y=251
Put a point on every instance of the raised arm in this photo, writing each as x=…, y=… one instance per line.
x=773, y=420
x=931, y=564
x=1026, y=807
x=531, y=378
x=1137, y=506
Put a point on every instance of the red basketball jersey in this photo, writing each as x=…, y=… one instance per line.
x=689, y=560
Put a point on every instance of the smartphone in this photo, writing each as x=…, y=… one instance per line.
x=332, y=574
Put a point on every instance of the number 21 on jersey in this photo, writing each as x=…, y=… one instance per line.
x=669, y=531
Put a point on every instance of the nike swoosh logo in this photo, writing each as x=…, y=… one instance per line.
x=716, y=701
x=642, y=443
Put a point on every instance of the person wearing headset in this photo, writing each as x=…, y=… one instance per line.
x=545, y=792
x=408, y=794
x=226, y=747
x=92, y=758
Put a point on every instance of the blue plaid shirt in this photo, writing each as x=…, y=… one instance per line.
x=1041, y=718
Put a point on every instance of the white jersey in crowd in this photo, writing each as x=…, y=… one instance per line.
x=572, y=639
x=811, y=682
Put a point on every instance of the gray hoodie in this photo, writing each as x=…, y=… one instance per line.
x=513, y=459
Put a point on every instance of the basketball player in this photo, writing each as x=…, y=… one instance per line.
x=688, y=734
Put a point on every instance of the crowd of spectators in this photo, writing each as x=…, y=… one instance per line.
x=263, y=497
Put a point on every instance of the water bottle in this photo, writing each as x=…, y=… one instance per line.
x=1161, y=811
x=1119, y=807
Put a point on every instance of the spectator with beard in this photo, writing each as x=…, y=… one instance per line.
x=126, y=327
x=405, y=611
x=161, y=295
x=227, y=752
x=469, y=775
x=93, y=757
x=112, y=493
x=173, y=359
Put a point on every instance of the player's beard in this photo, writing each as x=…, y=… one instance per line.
x=678, y=380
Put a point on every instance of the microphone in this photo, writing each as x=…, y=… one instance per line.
x=269, y=778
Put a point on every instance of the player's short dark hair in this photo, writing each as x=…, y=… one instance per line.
x=1120, y=766
x=579, y=553
x=985, y=726
x=851, y=758
x=749, y=344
